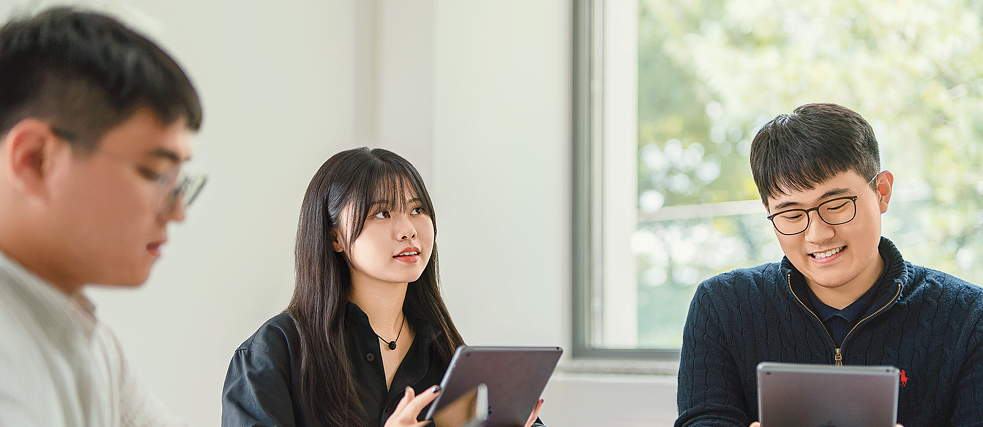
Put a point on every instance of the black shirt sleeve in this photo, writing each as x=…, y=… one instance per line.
x=257, y=390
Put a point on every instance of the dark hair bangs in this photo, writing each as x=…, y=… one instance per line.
x=783, y=168
x=385, y=181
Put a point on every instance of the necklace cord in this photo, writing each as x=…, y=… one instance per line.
x=392, y=344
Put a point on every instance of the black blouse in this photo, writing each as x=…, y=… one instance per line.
x=263, y=388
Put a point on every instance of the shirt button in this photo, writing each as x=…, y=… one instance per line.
x=370, y=357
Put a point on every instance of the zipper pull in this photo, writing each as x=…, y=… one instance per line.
x=839, y=357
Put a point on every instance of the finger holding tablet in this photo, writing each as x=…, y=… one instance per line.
x=535, y=413
x=410, y=406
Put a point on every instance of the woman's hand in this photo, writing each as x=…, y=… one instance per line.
x=535, y=413
x=410, y=406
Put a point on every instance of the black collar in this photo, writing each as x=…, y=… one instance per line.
x=884, y=290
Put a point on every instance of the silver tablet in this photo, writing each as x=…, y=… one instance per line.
x=791, y=394
x=515, y=378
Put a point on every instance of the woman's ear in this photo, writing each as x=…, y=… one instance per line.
x=336, y=241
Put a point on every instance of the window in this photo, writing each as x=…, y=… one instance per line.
x=668, y=96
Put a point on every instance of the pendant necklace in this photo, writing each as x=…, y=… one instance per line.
x=392, y=344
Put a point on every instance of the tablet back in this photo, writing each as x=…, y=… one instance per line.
x=468, y=410
x=515, y=377
x=826, y=396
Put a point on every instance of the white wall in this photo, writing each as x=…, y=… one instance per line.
x=502, y=165
x=475, y=93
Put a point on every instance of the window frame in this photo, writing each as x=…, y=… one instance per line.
x=587, y=158
x=589, y=63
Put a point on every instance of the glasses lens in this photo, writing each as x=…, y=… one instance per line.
x=192, y=187
x=832, y=212
x=185, y=190
x=791, y=222
x=838, y=211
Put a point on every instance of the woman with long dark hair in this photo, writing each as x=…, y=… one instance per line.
x=366, y=336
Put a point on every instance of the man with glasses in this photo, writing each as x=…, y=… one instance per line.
x=843, y=294
x=96, y=122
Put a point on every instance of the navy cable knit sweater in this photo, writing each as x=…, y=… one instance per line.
x=927, y=323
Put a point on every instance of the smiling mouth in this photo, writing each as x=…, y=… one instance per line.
x=827, y=254
x=408, y=253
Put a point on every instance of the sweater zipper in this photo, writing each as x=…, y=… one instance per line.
x=896, y=295
x=838, y=356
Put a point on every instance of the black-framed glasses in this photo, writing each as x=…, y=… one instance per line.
x=173, y=185
x=840, y=210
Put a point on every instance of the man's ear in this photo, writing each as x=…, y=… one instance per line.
x=28, y=151
x=885, y=187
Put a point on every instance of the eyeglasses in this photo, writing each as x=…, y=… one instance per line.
x=840, y=210
x=173, y=186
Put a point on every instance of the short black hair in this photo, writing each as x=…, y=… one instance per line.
x=808, y=147
x=86, y=72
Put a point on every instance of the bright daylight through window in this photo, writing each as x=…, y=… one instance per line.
x=669, y=95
